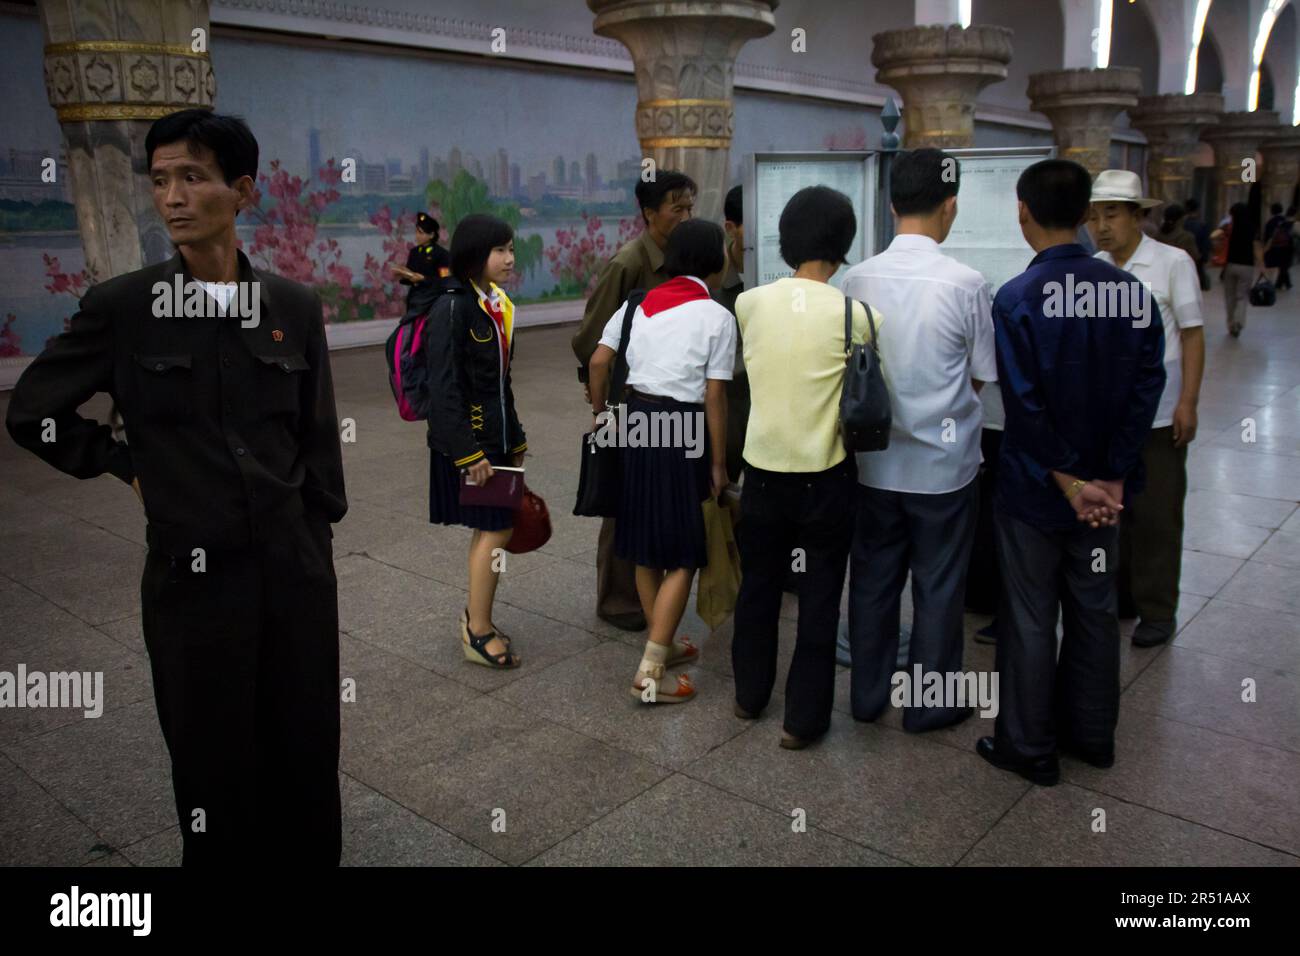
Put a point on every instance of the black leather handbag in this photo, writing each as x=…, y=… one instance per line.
x=1263, y=293
x=600, y=474
x=865, y=416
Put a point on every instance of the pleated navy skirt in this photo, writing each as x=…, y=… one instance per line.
x=444, y=497
x=660, y=523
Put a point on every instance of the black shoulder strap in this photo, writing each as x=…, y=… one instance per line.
x=619, y=377
x=848, y=324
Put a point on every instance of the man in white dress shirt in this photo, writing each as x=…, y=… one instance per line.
x=918, y=499
x=1151, y=526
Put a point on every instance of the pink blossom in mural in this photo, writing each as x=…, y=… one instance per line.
x=580, y=253
x=9, y=343
x=287, y=242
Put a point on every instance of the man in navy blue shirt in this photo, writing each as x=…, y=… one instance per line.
x=1080, y=348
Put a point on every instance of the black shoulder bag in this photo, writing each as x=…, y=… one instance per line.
x=600, y=478
x=865, y=416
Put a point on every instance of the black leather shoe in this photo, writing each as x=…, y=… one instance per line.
x=1153, y=633
x=790, y=742
x=1044, y=771
x=625, y=622
x=743, y=714
x=1102, y=759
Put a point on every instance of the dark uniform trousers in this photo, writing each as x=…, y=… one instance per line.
x=1042, y=698
x=932, y=536
x=245, y=660
x=1151, y=533
x=983, y=579
x=782, y=511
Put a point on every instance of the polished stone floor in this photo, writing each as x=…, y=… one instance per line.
x=433, y=747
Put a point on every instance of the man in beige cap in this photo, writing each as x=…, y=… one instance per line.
x=1151, y=527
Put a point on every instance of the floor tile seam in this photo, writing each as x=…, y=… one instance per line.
x=1181, y=818
x=686, y=772
x=58, y=802
x=985, y=835
x=411, y=810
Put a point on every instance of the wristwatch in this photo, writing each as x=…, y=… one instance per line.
x=1074, y=488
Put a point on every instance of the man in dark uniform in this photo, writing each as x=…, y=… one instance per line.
x=234, y=451
x=427, y=264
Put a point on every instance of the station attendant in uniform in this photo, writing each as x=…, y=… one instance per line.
x=427, y=263
x=234, y=451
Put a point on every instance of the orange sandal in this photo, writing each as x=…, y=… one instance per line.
x=647, y=687
x=683, y=652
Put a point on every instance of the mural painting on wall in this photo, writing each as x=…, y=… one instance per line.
x=301, y=229
x=568, y=192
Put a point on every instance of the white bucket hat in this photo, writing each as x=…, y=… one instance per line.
x=1120, y=185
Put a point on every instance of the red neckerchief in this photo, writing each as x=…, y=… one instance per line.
x=673, y=293
x=493, y=306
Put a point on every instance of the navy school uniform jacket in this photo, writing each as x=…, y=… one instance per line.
x=471, y=402
x=1080, y=391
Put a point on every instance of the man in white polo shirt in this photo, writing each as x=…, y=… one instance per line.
x=918, y=499
x=1151, y=526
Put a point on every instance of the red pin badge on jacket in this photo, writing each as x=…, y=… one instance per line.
x=277, y=335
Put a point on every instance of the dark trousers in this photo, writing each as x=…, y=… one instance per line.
x=615, y=578
x=983, y=579
x=1151, y=533
x=245, y=658
x=738, y=403
x=779, y=513
x=1041, y=698
x=931, y=535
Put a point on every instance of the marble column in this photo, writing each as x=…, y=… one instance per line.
x=684, y=54
x=1082, y=106
x=111, y=68
x=1281, y=167
x=939, y=72
x=1238, y=137
x=1173, y=124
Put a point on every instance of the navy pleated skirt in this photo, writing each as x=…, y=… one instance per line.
x=444, y=497
x=660, y=523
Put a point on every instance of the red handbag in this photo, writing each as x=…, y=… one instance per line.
x=532, y=527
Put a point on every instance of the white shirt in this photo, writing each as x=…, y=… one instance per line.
x=1170, y=276
x=673, y=352
x=222, y=292
x=939, y=337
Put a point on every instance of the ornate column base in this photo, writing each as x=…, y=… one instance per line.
x=1173, y=123
x=939, y=71
x=685, y=58
x=1082, y=105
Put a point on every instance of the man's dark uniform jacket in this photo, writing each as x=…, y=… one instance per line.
x=232, y=434
x=231, y=429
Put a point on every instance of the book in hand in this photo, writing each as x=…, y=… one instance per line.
x=505, y=489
